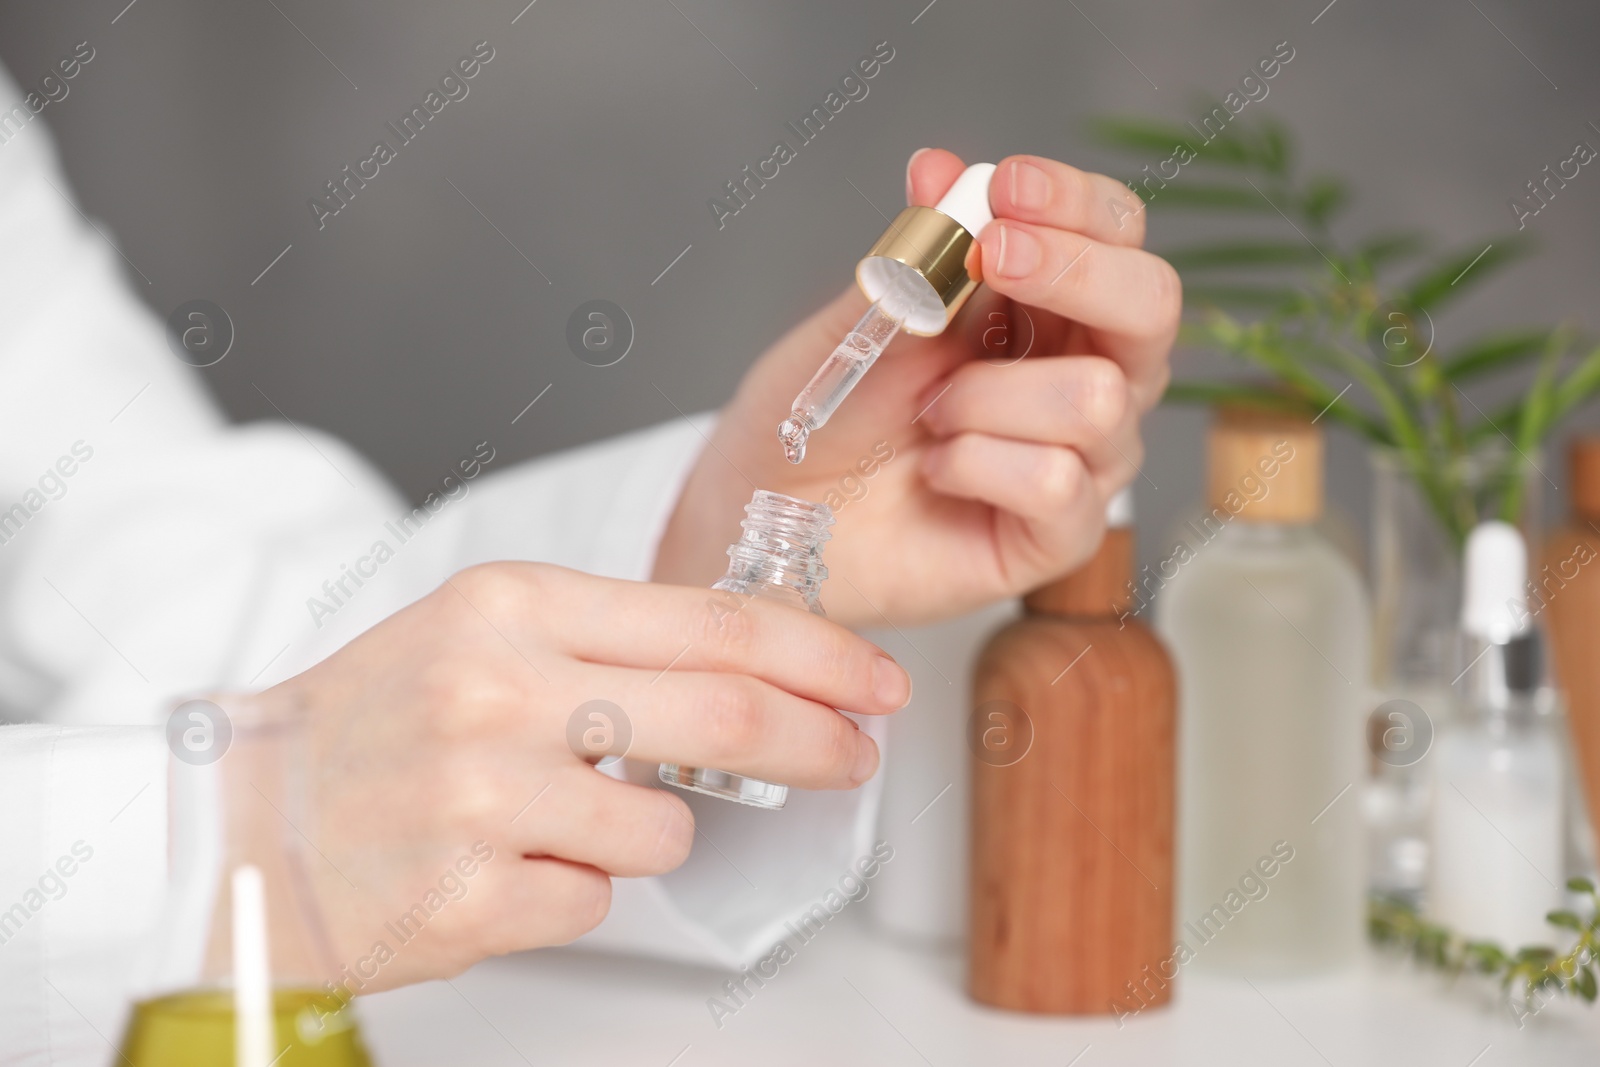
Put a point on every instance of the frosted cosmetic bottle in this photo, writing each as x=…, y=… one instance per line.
x=1270, y=630
x=1497, y=822
x=778, y=558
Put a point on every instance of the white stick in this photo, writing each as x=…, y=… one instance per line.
x=252, y=978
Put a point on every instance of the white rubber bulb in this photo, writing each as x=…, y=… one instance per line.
x=1494, y=601
x=968, y=199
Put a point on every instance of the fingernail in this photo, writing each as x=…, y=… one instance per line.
x=866, y=759
x=1016, y=251
x=1030, y=186
x=890, y=683
x=909, y=163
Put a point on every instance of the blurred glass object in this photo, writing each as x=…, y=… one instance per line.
x=1416, y=589
x=241, y=966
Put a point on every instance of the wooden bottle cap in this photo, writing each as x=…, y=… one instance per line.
x=1583, y=472
x=1264, y=466
x=1098, y=589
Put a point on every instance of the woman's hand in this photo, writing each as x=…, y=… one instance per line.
x=449, y=724
x=1001, y=468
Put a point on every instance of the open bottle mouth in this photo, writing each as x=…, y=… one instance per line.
x=782, y=543
x=803, y=522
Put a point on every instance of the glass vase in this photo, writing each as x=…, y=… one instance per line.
x=240, y=967
x=1422, y=511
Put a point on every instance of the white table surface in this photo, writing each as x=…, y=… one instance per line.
x=851, y=997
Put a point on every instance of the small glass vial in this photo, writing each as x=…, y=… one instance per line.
x=778, y=558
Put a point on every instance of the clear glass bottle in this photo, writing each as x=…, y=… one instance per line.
x=241, y=968
x=779, y=557
x=1270, y=630
x=1498, y=828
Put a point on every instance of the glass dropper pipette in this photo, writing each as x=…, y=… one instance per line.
x=917, y=277
x=840, y=372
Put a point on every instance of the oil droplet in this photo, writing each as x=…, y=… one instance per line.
x=792, y=433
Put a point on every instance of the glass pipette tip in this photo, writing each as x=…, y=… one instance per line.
x=846, y=366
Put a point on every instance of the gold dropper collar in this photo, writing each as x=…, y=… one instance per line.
x=935, y=246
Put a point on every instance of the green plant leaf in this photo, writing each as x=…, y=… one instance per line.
x=1245, y=297
x=1456, y=273
x=1276, y=146
x=1232, y=143
x=1537, y=416
x=1242, y=254
x=1539, y=404
x=1381, y=251
x=1155, y=136
x=1324, y=198
x=1486, y=956
x=1501, y=422
x=1580, y=885
x=1401, y=429
x=1567, y=919
x=1529, y=970
x=1400, y=340
x=1580, y=385
x=1492, y=353
x=1269, y=350
x=1143, y=135
x=1307, y=326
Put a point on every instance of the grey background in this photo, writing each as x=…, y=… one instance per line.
x=595, y=136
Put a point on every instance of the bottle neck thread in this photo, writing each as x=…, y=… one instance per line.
x=782, y=545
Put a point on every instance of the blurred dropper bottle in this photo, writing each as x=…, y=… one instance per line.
x=241, y=970
x=917, y=277
x=1270, y=629
x=1073, y=783
x=1498, y=857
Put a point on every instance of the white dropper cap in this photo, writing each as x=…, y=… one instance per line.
x=968, y=199
x=1494, y=603
x=1119, y=510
